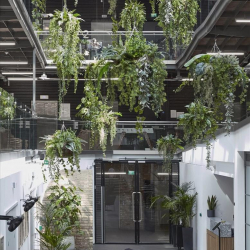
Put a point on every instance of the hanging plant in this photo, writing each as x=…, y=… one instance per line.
x=167, y=146
x=112, y=7
x=62, y=150
x=63, y=47
x=39, y=8
x=103, y=121
x=153, y=5
x=7, y=105
x=215, y=79
x=177, y=18
x=134, y=68
x=199, y=124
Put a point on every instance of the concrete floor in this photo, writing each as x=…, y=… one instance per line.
x=132, y=247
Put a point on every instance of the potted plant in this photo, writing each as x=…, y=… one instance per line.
x=62, y=150
x=167, y=146
x=212, y=203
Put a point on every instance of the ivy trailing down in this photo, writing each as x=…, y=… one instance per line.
x=7, y=105
x=199, y=124
x=153, y=5
x=63, y=47
x=215, y=79
x=112, y=7
x=134, y=68
x=39, y=8
x=167, y=146
x=102, y=118
x=62, y=150
x=177, y=18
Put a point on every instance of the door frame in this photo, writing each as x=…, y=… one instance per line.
x=136, y=163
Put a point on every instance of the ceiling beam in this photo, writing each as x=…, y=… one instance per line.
x=231, y=31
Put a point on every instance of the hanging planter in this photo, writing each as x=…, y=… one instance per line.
x=215, y=79
x=62, y=151
x=7, y=105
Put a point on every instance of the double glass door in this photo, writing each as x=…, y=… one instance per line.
x=123, y=202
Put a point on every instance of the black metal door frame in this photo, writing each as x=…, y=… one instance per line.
x=137, y=215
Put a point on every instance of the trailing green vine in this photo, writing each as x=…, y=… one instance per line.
x=112, y=7
x=167, y=146
x=199, y=123
x=215, y=79
x=177, y=18
x=7, y=105
x=153, y=5
x=63, y=47
x=39, y=8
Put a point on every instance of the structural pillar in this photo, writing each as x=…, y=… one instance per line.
x=34, y=85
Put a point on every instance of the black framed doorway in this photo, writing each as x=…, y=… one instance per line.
x=123, y=192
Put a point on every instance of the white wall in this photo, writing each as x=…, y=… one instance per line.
x=227, y=155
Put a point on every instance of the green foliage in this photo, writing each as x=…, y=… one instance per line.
x=167, y=146
x=215, y=79
x=62, y=150
x=181, y=205
x=153, y=4
x=52, y=235
x=39, y=8
x=7, y=105
x=199, y=124
x=212, y=202
x=102, y=118
x=177, y=18
x=134, y=69
x=63, y=47
x=112, y=7
x=67, y=205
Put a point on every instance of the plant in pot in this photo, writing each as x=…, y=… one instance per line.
x=167, y=146
x=212, y=203
x=62, y=150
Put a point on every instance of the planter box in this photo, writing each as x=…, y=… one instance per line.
x=187, y=233
x=210, y=213
x=179, y=239
x=173, y=238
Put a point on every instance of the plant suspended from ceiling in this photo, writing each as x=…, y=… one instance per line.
x=215, y=79
x=112, y=7
x=199, y=124
x=39, y=8
x=102, y=118
x=7, y=105
x=134, y=68
x=62, y=150
x=167, y=146
x=177, y=18
x=153, y=5
x=63, y=47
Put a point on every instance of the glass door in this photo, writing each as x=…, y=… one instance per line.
x=123, y=198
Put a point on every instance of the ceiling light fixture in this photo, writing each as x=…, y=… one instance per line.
x=20, y=79
x=17, y=73
x=7, y=43
x=226, y=53
x=13, y=62
x=242, y=20
x=43, y=77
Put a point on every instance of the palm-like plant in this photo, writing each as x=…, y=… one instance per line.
x=212, y=202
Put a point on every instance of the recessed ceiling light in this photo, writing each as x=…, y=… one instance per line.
x=226, y=53
x=13, y=62
x=242, y=20
x=7, y=43
x=17, y=73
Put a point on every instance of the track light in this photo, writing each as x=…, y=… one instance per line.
x=12, y=222
x=29, y=203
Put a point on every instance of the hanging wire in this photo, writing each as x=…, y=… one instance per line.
x=215, y=48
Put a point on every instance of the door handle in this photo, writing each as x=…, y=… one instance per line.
x=133, y=205
x=140, y=213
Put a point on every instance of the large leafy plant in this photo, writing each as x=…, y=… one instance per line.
x=63, y=47
x=167, y=146
x=180, y=206
x=199, y=124
x=177, y=18
x=215, y=79
x=134, y=68
x=102, y=118
x=7, y=105
x=62, y=150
